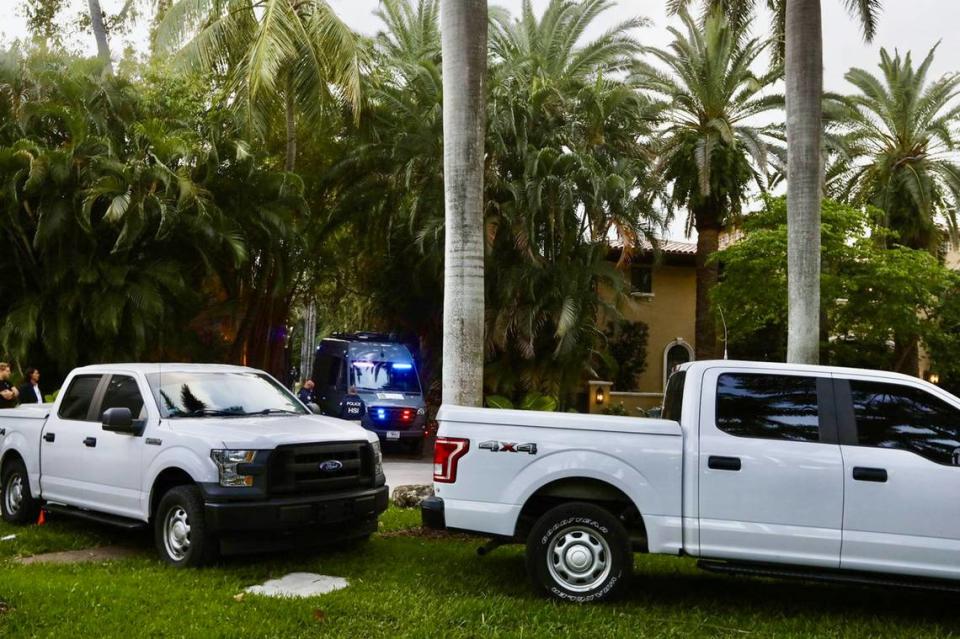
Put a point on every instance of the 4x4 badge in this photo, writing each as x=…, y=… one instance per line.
x=508, y=447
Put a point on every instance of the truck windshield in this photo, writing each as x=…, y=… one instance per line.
x=220, y=394
x=369, y=375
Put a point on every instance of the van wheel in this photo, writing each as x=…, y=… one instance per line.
x=180, y=531
x=579, y=552
x=17, y=505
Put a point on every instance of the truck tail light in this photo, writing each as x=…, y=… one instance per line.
x=446, y=454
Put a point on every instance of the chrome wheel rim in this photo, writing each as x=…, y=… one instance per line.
x=13, y=495
x=176, y=533
x=578, y=559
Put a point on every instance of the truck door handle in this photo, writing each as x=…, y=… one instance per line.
x=90, y=442
x=3, y=431
x=723, y=463
x=49, y=437
x=870, y=474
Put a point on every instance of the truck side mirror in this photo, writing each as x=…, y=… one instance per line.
x=352, y=407
x=119, y=420
x=314, y=408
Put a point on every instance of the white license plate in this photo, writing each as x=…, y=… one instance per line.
x=393, y=434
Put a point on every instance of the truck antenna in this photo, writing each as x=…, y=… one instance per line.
x=720, y=308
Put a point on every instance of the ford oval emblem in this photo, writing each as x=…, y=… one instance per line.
x=330, y=466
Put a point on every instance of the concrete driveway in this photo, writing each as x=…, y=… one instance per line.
x=402, y=473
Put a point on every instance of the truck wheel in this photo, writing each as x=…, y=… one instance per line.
x=180, y=530
x=579, y=552
x=17, y=505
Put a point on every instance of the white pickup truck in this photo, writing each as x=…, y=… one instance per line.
x=216, y=458
x=755, y=468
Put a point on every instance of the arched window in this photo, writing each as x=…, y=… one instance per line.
x=677, y=352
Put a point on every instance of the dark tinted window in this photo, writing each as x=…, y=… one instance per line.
x=768, y=406
x=673, y=398
x=122, y=392
x=641, y=279
x=77, y=398
x=894, y=416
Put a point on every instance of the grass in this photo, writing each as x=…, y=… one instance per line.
x=407, y=585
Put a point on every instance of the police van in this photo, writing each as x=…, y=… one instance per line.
x=373, y=378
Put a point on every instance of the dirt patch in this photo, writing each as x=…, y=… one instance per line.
x=89, y=555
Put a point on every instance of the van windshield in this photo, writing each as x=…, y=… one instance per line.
x=220, y=394
x=370, y=375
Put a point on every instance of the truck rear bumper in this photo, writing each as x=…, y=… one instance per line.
x=431, y=513
x=338, y=511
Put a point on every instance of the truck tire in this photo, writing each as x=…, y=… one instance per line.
x=180, y=530
x=579, y=552
x=17, y=504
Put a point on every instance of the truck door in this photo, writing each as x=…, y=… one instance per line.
x=62, y=437
x=771, y=472
x=109, y=464
x=901, y=452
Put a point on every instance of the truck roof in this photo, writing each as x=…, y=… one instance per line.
x=806, y=368
x=166, y=367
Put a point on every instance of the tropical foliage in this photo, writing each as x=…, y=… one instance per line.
x=121, y=220
x=266, y=157
x=871, y=292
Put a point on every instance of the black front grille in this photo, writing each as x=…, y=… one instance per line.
x=296, y=469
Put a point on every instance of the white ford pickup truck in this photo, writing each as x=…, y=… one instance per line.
x=216, y=458
x=767, y=469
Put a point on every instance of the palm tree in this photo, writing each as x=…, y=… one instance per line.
x=100, y=34
x=707, y=148
x=798, y=26
x=297, y=57
x=899, y=133
x=464, y=45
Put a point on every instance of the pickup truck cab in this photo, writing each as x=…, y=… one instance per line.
x=215, y=458
x=755, y=468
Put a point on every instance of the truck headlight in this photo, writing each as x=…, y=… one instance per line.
x=227, y=462
x=377, y=459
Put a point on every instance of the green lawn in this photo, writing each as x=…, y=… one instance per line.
x=407, y=585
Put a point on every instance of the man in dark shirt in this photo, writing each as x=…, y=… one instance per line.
x=306, y=393
x=8, y=392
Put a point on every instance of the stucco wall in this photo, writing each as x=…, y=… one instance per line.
x=670, y=313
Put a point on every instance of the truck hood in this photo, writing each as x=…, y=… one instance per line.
x=268, y=432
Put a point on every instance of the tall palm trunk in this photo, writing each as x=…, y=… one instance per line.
x=290, y=114
x=708, y=243
x=464, y=46
x=804, y=74
x=100, y=34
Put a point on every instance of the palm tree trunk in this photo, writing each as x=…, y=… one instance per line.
x=804, y=74
x=100, y=33
x=464, y=47
x=290, y=114
x=708, y=243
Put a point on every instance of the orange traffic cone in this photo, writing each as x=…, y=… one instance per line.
x=42, y=519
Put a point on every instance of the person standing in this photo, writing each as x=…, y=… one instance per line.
x=30, y=389
x=306, y=393
x=8, y=392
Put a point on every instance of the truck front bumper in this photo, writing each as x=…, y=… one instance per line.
x=337, y=512
x=431, y=513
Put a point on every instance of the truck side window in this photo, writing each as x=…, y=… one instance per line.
x=122, y=392
x=768, y=406
x=906, y=418
x=77, y=398
x=673, y=398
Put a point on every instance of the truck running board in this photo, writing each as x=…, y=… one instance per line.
x=89, y=515
x=825, y=575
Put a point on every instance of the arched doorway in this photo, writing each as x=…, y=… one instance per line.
x=676, y=352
